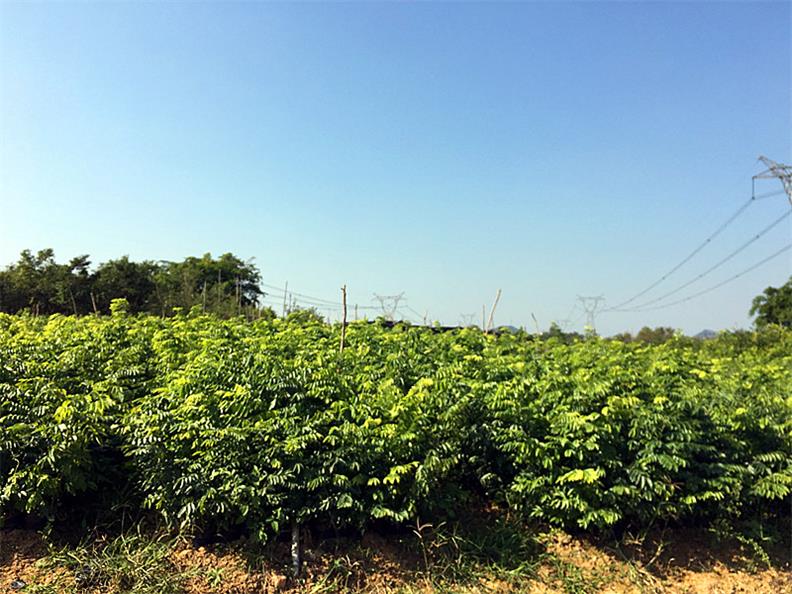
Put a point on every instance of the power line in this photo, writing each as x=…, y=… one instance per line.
x=565, y=322
x=570, y=323
x=303, y=295
x=576, y=320
x=309, y=300
x=687, y=258
x=769, y=194
x=420, y=316
x=409, y=318
x=714, y=266
x=774, y=171
x=728, y=280
x=388, y=303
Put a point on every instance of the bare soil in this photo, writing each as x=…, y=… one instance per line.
x=686, y=562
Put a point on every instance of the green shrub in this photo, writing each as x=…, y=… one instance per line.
x=215, y=424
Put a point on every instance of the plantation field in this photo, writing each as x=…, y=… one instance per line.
x=206, y=427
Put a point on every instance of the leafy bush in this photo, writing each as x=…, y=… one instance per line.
x=219, y=424
x=64, y=384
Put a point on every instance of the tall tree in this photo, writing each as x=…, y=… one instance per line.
x=226, y=286
x=36, y=283
x=123, y=278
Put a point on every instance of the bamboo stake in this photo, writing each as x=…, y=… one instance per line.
x=344, y=318
x=492, y=312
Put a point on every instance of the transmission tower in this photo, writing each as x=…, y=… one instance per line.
x=591, y=306
x=467, y=319
x=389, y=304
x=777, y=171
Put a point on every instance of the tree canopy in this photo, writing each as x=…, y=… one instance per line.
x=36, y=283
x=774, y=306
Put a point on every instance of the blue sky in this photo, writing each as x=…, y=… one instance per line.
x=443, y=150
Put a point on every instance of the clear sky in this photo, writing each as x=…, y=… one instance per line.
x=444, y=150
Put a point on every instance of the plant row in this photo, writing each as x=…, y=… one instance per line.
x=214, y=424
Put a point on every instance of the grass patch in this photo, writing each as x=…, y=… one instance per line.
x=131, y=563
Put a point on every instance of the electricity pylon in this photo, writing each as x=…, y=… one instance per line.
x=389, y=304
x=777, y=171
x=467, y=319
x=591, y=305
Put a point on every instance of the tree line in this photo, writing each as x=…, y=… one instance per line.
x=226, y=286
x=37, y=283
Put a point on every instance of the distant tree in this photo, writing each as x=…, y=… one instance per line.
x=38, y=284
x=265, y=313
x=78, y=285
x=773, y=306
x=657, y=335
x=623, y=337
x=308, y=315
x=226, y=286
x=555, y=331
x=125, y=279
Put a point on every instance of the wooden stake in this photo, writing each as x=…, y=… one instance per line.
x=344, y=318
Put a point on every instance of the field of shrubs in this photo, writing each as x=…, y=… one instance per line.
x=220, y=426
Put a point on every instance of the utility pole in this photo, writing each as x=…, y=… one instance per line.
x=389, y=304
x=591, y=305
x=778, y=171
x=285, y=293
